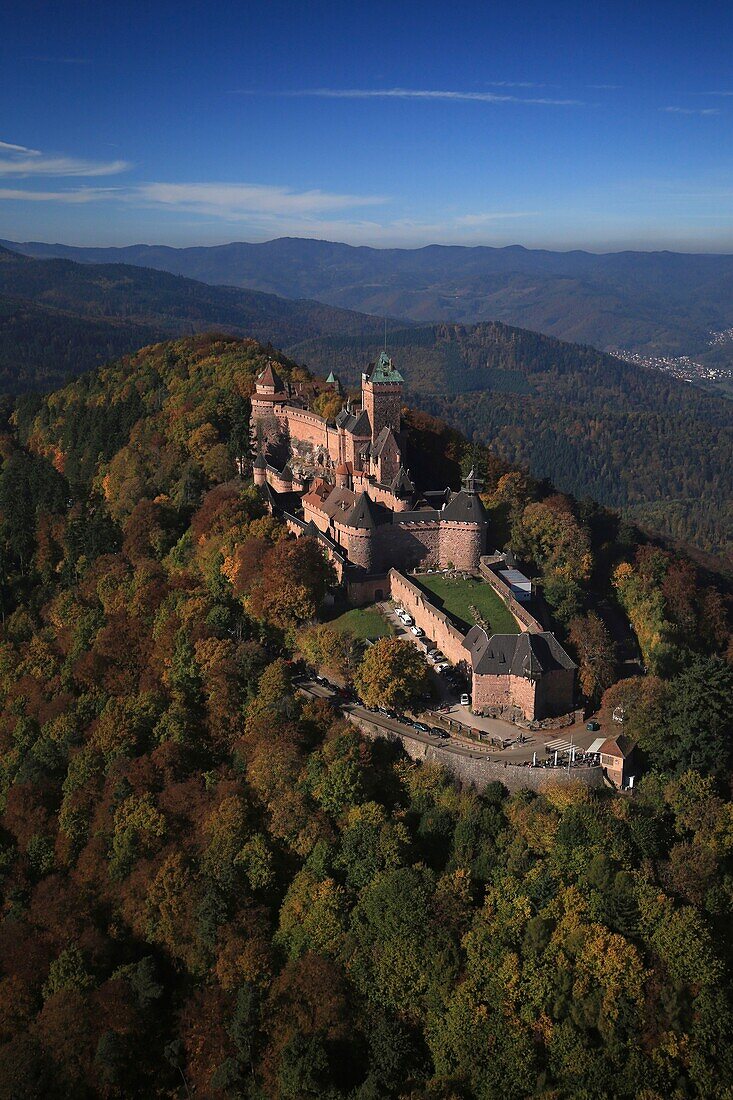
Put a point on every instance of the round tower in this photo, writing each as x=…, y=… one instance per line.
x=259, y=467
x=342, y=476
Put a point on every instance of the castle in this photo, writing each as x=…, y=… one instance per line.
x=342, y=480
x=347, y=478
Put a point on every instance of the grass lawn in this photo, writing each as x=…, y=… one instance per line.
x=362, y=622
x=456, y=597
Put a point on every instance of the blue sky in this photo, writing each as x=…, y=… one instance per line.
x=558, y=125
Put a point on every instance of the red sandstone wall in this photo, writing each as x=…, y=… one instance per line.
x=461, y=545
x=523, y=617
x=556, y=693
x=436, y=625
x=406, y=545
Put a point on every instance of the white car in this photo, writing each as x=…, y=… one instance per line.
x=465, y=700
x=406, y=619
x=416, y=631
x=442, y=666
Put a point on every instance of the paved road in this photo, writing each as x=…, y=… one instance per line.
x=392, y=726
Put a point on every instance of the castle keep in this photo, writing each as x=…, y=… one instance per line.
x=344, y=479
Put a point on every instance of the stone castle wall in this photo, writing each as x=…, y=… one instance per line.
x=527, y=622
x=406, y=545
x=435, y=623
x=556, y=693
x=383, y=404
x=461, y=545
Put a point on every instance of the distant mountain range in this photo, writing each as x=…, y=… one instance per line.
x=59, y=318
x=655, y=302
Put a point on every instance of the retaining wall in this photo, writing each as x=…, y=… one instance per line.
x=479, y=773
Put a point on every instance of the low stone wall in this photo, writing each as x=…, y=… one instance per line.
x=435, y=623
x=479, y=773
x=527, y=622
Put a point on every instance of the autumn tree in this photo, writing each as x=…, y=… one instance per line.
x=392, y=674
x=295, y=576
x=596, y=655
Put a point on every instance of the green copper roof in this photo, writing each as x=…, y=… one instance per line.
x=332, y=377
x=384, y=370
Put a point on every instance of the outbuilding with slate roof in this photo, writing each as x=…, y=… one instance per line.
x=531, y=672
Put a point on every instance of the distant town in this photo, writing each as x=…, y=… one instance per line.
x=684, y=367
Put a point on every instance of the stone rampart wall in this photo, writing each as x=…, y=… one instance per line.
x=435, y=623
x=526, y=621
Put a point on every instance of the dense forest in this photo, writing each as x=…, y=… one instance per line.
x=659, y=302
x=655, y=447
x=212, y=886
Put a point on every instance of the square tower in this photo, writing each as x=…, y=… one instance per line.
x=381, y=395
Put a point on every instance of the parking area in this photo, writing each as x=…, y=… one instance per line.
x=500, y=739
x=448, y=683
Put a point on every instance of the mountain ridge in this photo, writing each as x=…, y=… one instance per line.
x=659, y=302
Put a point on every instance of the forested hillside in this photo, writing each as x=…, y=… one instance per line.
x=58, y=318
x=632, y=438
x=658, y=302
x=213, y=887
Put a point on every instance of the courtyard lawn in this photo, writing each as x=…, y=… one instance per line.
x=363, y=623
x=456, y=596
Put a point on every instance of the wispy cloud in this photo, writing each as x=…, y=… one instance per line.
x=470, y=220
x=244, y=199
x=417, y=93
x=60, y=166
x=269, y=211
x=20, y=161
x=604, y=87
x=8, y=147
x=691, y=110
x=73, y=195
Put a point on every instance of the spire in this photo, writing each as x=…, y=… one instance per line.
x=383, y=370
x=473, y=484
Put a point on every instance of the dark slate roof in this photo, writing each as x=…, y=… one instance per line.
x=525, y=654
x=259, y=463
x=402, y=486
x=383, y=370
x=382, y=440
x=465, y=508
x=366, y=514
x=355, y=425
x=422, y=515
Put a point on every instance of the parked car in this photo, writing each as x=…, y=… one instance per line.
x=421, y=726
x=406, y=619
x=442, y=666
x=593, y=726
x=465, y=700
x=440, y=732
x=417, y=631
